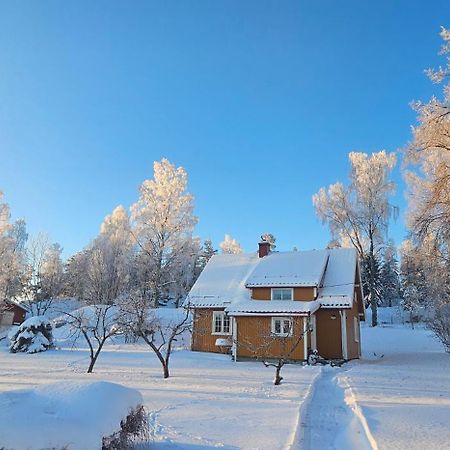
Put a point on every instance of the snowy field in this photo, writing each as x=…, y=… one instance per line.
x=397, y=401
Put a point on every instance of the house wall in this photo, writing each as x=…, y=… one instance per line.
x=13, y=315
x=300, y=293
x=353, y=347
x=202, y=338
x=253, y=334
x=328, y=333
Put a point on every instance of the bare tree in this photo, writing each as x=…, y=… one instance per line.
x=97, y=324
x=158, y=332
x=276, y=347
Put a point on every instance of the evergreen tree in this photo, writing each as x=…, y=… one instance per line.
x=371, y=280
x=206, y=253
x=390, y=276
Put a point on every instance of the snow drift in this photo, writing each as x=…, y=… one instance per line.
x=73, y=415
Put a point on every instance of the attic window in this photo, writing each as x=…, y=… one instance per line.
x=282, y=294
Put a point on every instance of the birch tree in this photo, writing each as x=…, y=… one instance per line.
x=100, y=273
x=429, y=152
x=428, y=179
x=358, y=215
x=13, y=237
x=163, y=221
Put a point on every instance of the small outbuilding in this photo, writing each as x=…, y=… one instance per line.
x=12, y=313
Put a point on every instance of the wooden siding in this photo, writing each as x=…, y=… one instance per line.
x=300, y=293
x=328, y=333
x=304, y=293
x=253, y=332
x=353, y=347
x=261, y=294
x=202, y=338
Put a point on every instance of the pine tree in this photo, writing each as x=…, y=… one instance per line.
x=390, y=276
x=371, y=280
x=206, y=253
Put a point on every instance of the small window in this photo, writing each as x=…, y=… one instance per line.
x=282, y=294
x=356, y=329
x=282, y=326
x=221, y=323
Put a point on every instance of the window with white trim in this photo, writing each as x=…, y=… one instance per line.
x=221, y=323
x=356, y=329
x=282, y=294
x=282, y=326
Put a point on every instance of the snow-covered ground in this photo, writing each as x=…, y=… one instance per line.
x=52, y=415
x=397, y=401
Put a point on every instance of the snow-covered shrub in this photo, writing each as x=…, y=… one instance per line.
x=133, y=430
x=440, y=325
x=32, y=336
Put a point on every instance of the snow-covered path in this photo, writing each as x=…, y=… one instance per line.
x=329, y=421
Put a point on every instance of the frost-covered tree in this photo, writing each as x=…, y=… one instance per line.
x=359, y=213
x=13, y=237
x=107, y=260
x=45, y=275
x=163, y=221
x=413, y=282
x=230, y=245
x=429, y=190
x=390, y=277
x=429, y=151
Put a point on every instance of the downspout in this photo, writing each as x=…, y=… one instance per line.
x=305, y=339
x=343, y=315
x=234, y=338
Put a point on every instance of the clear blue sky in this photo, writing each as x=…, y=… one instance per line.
x=259, y=100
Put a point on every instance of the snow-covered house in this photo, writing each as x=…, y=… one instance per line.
x=242, y=300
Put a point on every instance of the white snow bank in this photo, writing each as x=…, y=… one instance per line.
x=73, y=415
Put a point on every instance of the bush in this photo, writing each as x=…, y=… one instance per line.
x=32, y=336
x=133, y=430
x=440, y=325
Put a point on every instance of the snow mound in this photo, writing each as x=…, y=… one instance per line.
x=71, y=415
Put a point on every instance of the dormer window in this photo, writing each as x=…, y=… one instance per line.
x=282, y=294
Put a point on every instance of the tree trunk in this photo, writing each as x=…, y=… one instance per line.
x=166, y=370
x=373, y=297
x=278, y=377
x=94, y=358
x=92, y=364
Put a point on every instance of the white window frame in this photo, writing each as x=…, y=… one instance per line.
x=221, y=315
x=282, y=289
x=283, y=320
x=356, y=330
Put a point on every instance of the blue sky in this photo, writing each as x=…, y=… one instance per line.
x=260, y=101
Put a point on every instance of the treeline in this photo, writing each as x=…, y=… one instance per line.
x=149, y=252
x=358, y=213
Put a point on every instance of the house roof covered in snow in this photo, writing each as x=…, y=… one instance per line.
x=227, y=279
x=291, y=269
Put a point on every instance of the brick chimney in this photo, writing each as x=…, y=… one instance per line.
x=264, y=249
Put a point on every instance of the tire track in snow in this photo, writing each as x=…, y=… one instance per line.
x=331, y=419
